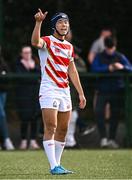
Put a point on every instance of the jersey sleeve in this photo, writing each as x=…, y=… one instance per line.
x=46, y=41
x=72, y=54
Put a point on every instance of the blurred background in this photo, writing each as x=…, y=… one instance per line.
x=21, y=117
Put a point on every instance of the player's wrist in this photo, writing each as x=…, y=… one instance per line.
x=38, y=23
x=81, y=94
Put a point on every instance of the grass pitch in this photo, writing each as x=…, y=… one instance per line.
x=87, y=164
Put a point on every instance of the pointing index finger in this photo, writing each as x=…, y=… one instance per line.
x=40, y=11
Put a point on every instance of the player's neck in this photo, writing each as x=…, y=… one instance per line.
x=59, y=37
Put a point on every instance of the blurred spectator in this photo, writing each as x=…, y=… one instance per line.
x=27, y=98
x=98, y=47
x=3, y=93
x=98, y=44
x=109, y=89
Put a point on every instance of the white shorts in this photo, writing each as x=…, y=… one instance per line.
x=62, y=104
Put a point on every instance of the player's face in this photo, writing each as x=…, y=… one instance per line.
x=26, y=53
x=62, y=26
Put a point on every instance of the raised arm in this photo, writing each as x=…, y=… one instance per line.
x=73, y=74
x=36, y=41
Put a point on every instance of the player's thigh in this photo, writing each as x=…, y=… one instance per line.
x=63, y=120
x=49, y=117
x=49, y=107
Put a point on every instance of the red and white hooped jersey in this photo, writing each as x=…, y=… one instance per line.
x=55, y=57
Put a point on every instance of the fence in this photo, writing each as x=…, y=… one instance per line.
x=12, y=80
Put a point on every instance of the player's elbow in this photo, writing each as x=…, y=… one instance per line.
x=71, y=72
x=34, y=43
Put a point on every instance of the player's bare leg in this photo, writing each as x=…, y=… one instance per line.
x=62, y=126
x=55, y=129
x=50, y=125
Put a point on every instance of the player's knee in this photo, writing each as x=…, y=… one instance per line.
x=62, y=132
x=51, y=130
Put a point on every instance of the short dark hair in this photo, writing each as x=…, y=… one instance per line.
x=25, y=46
x=110, y=29
x=106, y=29
x=110, y=42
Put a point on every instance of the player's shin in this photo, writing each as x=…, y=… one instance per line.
x=49, y=147
x=59, y=147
